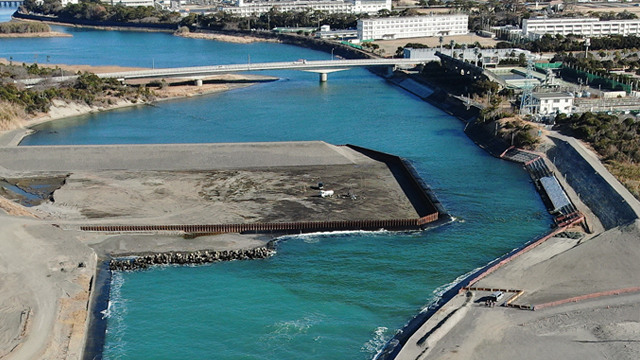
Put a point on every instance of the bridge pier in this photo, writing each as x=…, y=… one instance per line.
x=197, y=82
x=323, y=77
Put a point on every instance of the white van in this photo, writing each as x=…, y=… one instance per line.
x=496, y=296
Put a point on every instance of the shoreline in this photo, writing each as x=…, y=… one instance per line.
x=46, y=34
x=221, y=37
x=15, y=136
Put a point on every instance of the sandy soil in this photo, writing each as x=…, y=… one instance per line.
x=606, y=7
x=565, y=269
x=36, y=35
x=44, y=282
x=226, y=38
x=604, y=328
x=76, y=68
x=219, y=197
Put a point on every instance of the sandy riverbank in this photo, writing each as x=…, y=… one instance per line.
x=36, y=35
x=244, y=39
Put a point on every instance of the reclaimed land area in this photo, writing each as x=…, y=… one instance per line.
x=48, y=265
x=582, y=286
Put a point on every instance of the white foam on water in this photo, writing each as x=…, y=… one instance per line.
x=439, y=291
x=285, y=331
x=374, y=346
x=115, y=347
x=315, y=236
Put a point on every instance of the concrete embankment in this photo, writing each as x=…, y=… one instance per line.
x=605, y=201
x=432, y=94
x=172, y=157
x=190, y=258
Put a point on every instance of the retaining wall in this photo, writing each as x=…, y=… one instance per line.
x=422, y=198
x=285, y=227
x=594, y=191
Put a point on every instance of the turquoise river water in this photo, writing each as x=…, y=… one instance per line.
x=323, y=296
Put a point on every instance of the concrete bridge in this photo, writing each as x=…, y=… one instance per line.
x=323, y=67
x=11, y=3
x=468, y=69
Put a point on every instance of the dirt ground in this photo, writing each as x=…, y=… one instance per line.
x=76, y=68
x=607, y=7
x=604, y=328
x=219, y=197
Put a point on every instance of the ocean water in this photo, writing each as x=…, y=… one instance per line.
x=323, y=296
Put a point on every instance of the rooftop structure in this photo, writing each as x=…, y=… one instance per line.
x=244, y=9
x=410, y=27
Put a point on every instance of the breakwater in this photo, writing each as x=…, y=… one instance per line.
x=190, y=258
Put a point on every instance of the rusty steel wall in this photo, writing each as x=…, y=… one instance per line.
x=391, y=224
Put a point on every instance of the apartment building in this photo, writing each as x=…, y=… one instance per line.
x=590, y=27
x=258, y=8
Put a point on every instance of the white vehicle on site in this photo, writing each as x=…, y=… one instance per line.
x=496, y=296
x=326, y=193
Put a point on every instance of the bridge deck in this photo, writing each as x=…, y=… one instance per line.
x=199, y=71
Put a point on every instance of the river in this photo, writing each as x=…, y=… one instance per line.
x=328, y=296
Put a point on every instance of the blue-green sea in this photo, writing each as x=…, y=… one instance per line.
x=324, y=296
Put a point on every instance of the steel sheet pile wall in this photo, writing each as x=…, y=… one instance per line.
x=422, y=198
x=288, y=227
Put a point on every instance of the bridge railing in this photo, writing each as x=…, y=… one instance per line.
x=230, y=68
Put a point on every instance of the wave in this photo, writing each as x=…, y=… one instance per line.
x=115, y=346
x=376, y=344
x=439, y=291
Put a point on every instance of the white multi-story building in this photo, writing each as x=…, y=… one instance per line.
x=591, y=27
x=552, y=103
x=67, y=2
x=258, y=8
x=415, y=26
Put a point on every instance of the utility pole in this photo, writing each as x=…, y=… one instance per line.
x=587, y=43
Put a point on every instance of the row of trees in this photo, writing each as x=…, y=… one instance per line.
x=22, y=27
x=560, y=43
x=613, y=139
x=96, y=10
